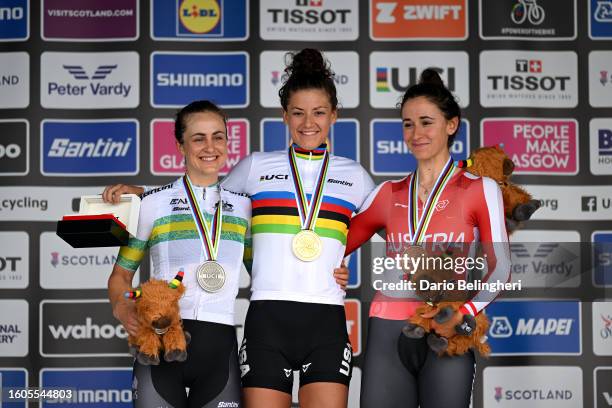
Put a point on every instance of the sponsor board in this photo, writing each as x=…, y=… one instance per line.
x=14, y=260
x=65, y=267
x=80, y=328
x=199, y=20
x=167, y=160
x=392, y=73
x=528, y=20
x=89, y=20
x=35, y=203
x=603, y=391
x=532, y=386
x=309, y=20
x=344, y=64
x=600, y=146
x=531, y=327
x=352, y=309
x=579, y=203
x=14, y=20
x=536, y=146
x=539, y=79
x=343, y=137
x=91, y=386
x=416, y=20
x=16, y=379
x=602, y=329
x=14, y=328
x=546, y=258
x=390, y=155
x=178, y=78
x=89, y=147
x=14, y=79
x=14, y=147
x=600, y=19
x=600, y=79
x=89, y=80
x=602, y=258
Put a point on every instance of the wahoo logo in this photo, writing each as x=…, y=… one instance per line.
x=54, y=259
x=89, y=147
x=101, y=72
x=89, y=330
x=269, y=177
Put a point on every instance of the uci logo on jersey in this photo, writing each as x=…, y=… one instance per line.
x=269, y=177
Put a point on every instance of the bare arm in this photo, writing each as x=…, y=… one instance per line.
x=124, y=309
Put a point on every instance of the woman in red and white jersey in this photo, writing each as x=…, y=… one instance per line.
x=450, y=206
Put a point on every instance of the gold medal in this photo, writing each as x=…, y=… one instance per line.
x=211, y=276
x=307, y=245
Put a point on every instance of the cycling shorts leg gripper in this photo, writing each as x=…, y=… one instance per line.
x=446, y=381
x=385, y=382
x=146, y=395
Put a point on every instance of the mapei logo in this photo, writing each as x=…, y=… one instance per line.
x=343, y=136
x=528, y=78
x=91, y=386
x=199, y=20
x=392, y=73
x=600, y=19
x=179, y=78
x=14, y=20
x=89, y=147
x=405, y=20
x=535, y=327
x=101, y=80
x=79, y=328
x=308, y=20
x=390, y=155
x=603, y=11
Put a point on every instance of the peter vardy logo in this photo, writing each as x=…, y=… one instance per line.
x=89, y=148
x=391, y=157
x=392, y=73
x=535, y=327
x=95, y=386
x=199, y=20
x=179, y=78
x=79, y=328
x=14, y=20
x=343, y=136
x=102, y=80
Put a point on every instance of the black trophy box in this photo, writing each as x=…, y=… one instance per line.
x=89, y=231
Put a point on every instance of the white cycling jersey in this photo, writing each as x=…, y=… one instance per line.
x=266, y=179
x=166, y=227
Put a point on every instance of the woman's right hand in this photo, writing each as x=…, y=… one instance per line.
x=112, y=193
x=125, y=312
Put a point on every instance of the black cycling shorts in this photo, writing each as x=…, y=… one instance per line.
x=281, y=337
x=210, y=372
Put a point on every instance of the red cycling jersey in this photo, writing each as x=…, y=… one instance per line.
x=470, y=209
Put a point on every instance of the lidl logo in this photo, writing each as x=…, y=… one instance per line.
x=343, y=136
x=390, y=155
x=200, y=20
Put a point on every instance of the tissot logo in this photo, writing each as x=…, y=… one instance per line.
x=80, y=328
x=528, y=78
x=14, y=260
x=322, y=20
x=90, y=80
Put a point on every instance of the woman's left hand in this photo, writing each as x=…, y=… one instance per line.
x=341, y=275
x=447, y=329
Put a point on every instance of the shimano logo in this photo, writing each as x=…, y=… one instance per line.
x=100, y=148
x=274, y=177
x=223, y=404
x=342, y=182
x=199, y=80
x=11, y=13
x=87, y=331
x=95, y=396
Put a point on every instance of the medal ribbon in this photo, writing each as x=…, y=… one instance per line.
x=210, y=237
x=416, y=227
x=308, y=211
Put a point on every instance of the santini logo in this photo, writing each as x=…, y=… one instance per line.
x=101, y=148
x=87, y=331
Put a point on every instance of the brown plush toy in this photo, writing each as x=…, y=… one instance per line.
x=159, y=323
x=492, y=162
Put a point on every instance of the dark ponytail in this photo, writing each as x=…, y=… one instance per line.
x=308, y=69
x=431, y=87
x=194, y=107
